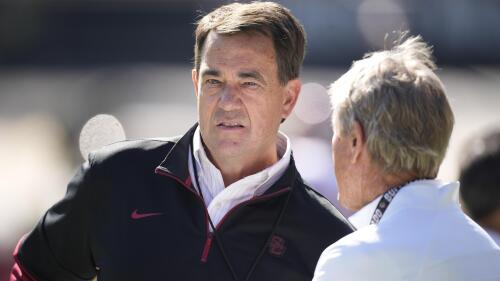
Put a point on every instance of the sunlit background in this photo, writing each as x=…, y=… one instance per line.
x=63, y=62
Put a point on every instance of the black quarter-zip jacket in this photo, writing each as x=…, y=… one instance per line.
x=124, y=217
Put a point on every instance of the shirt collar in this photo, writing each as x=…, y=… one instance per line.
x=364, y=215
x=211, y=177
x=420, y=193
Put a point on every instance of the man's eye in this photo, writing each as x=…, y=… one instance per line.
x=250, y=84
x=212, y=82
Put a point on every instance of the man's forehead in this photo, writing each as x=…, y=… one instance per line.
x=241, y=54
x=248, y=34
x=249, y=42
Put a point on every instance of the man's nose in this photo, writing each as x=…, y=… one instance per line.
x=230, y=98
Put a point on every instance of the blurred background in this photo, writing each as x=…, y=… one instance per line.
x=63, y=62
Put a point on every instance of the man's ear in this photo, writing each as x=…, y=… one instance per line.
x=357, y=138
x=194, y=77
x=292, y=91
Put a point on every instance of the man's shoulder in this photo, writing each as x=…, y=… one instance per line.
x=354, y=257
x=133, y=150
x=316, y=204
x=376, y=246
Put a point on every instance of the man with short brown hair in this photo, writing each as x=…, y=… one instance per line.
x=222, y=202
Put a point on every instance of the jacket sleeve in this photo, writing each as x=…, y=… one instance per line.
x=59, y=248
x=18, y=274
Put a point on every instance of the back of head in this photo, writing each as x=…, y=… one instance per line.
x=268, y=18
x=400, y=104
x=480, y=176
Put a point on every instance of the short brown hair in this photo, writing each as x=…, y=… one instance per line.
x=268, y=18
x=401, y=105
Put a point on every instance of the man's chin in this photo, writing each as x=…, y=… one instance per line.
x=230, y=149
x=227, y=148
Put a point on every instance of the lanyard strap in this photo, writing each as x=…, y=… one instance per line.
x=384, y=203
x=386, y=199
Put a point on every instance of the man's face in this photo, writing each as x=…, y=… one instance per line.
x=240, y=99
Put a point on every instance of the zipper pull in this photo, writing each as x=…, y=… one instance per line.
x=206, y=248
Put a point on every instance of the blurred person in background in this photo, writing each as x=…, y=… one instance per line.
x=392, y=123
x=480, y=182
x=222, y=202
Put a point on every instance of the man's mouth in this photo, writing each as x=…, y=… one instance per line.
x=230, y=124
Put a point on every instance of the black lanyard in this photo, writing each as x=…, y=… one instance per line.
x=384, y=203
x=217, y=238
x=386, y=199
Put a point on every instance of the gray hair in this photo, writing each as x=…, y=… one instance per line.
x=400, y=104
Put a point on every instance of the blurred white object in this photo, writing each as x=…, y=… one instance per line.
x=100, y=130
x=390, y=16
x=313, y=106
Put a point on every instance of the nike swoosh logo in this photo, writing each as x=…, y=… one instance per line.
x=136, y=216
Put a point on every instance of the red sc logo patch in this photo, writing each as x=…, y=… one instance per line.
x=277, y=246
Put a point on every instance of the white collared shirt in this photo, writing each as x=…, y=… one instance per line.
x=219, y=199
x=423, y=235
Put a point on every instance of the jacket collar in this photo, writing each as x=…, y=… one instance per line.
x=176, y=164
x=176, y=161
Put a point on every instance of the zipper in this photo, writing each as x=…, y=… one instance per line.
x=206, y=248
x=208, y=241
x=209, y=237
